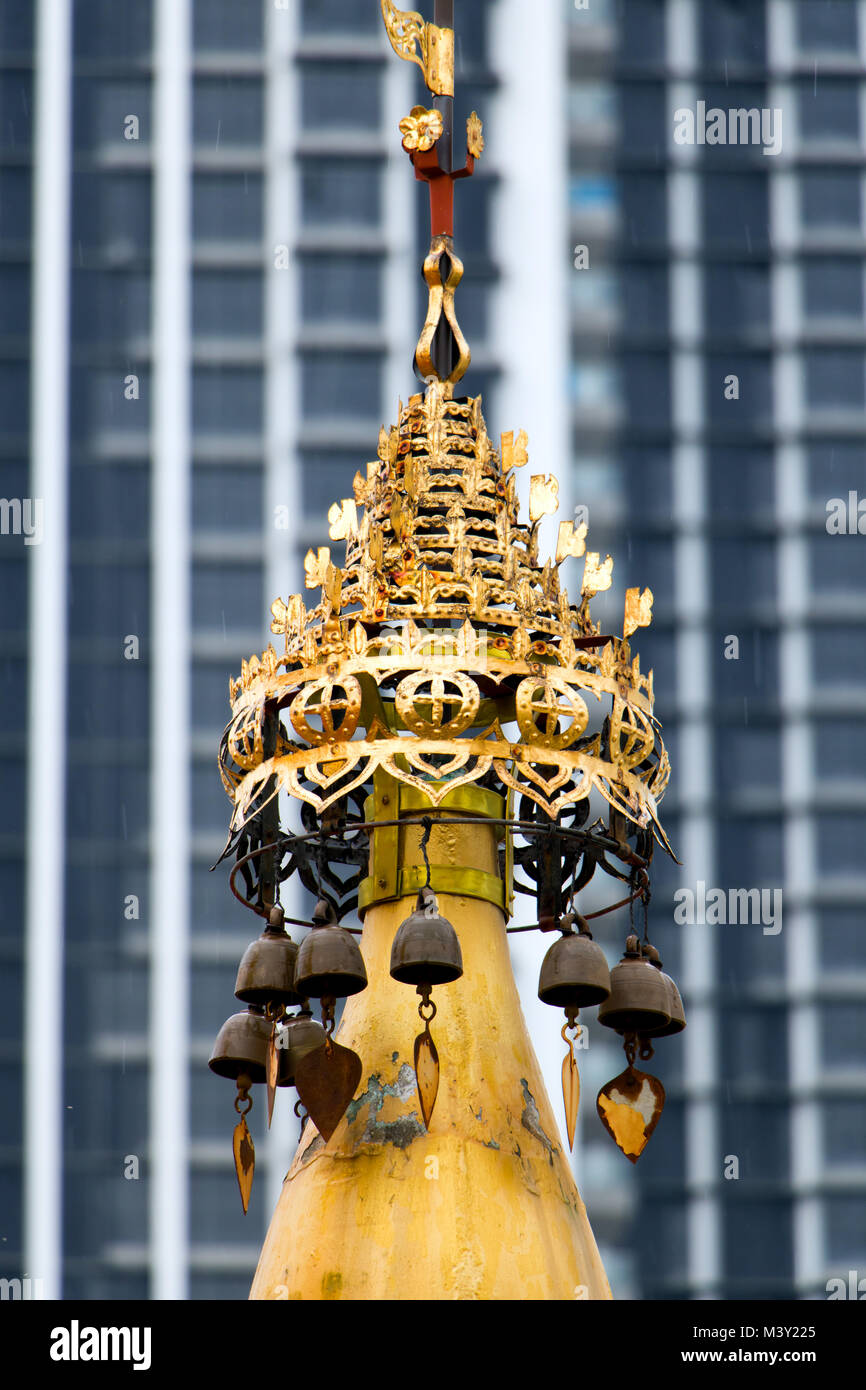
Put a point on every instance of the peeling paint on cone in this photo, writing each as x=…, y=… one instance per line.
x=484, y=1206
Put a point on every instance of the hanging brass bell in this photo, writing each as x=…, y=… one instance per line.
x=425, y=950
x=242, y=1046
x=639, y=999
x=677, y=1012
x=574, y=973
x=302, y=1035
x=267, y=970
x=329, y=960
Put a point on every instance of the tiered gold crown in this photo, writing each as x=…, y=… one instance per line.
x=443, y=651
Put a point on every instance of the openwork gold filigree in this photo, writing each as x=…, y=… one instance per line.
x=442, y=649
x=427, y=45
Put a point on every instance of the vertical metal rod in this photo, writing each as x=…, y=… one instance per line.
x=443, y=349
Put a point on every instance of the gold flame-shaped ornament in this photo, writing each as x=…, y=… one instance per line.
x=242, y=1142
x=426, y=1058
x=570, y=1080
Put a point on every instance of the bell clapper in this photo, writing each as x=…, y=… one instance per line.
x=274, y=1013
x=327, y=1002
x=242, y=1140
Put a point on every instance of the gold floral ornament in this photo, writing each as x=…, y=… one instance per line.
x=474, y=138
x=421, y=129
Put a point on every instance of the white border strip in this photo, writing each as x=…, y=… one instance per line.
x=170, y=802
x=46, y=743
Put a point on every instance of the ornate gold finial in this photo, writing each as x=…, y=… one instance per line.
x=427, y=45
x=441, y=574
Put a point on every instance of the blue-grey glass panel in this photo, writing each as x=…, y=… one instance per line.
x=842, y=747
x=221, y=1288
x=754, y=672
x=835, y=467
x=11, y=1191
x=109, y=700
x=108, y=801
x=15, y=207
x=227, y=111
x=643, y=119
x=649, y=481
x=337, y=384
x=228, y=26
x=737, y=300
x=227, y=303
x=110, y=501
x=15, y=298
x=99, y=401
x=215, y=912
x=16, y=110
x=214, y=1202
x=755, y=1051
x=104, y=29
x=209, y=804
x=12, y=897
x=844, y=1132
x=758, y=1134
x=108, y=601
x=750, y=856
x=338, y=16
x=641, y=30
x=748, y=758
x=743, y=572
x=227, y=207
x=14, y=400
x=109, y=306
x=833, y=287
x=646, y=389
x=734, y=33
x=831, y=198
x=834, y=377
x=13, y=583
x=111, y=214
x=227, y=594
x=13, y=695
x=845, y=1228
x=210, y=697
x=98, y=885
x=227, y=400
x=840, y=841
x=643, y=203
x=16, y=29
x=836, y=566
x=754, y=403
x=338, y=95
x=741, y=482
x=736, y=212
x=227, y=499
x=326, y=476
x=645, y=292
x=840, y=939
x=341, y=191
x=341, y=288
x=757, y=1235
x=829, y=108
x=102, y=106
x=107, y=992
x=839, y=650
x=826, y=26
x=659, y=1234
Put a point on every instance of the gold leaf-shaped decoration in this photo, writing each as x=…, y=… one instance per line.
x=474, y=138
x=245, y=1159
x=343, y=519
x=326, y=1080
x=543, y=496
x=514, y=451
x=638, y=610
x=272, y=1067
x=629, y=1107
x=316, y=566
x=597, y=575
x=570, y=541
x=426, y=1074
x=570, y=1093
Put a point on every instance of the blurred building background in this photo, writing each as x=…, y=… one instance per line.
x=224, y=296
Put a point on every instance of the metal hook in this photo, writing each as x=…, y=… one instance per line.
x=427, y=822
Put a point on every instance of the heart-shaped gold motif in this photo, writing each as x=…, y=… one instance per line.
x=629, y=1107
